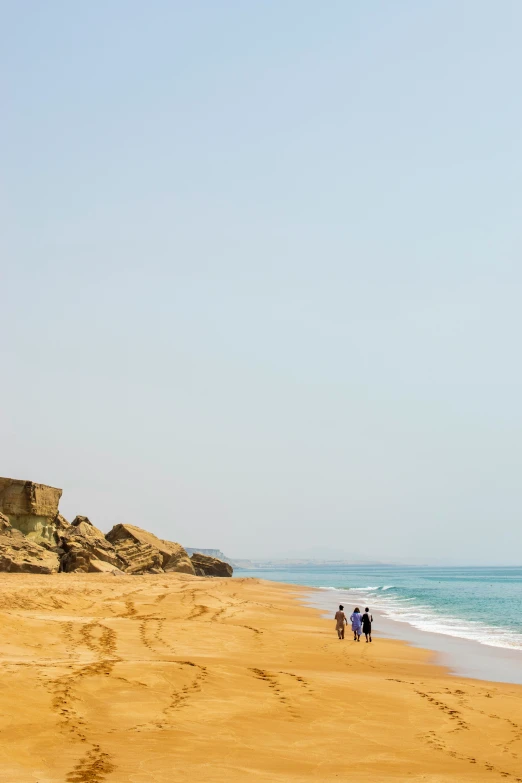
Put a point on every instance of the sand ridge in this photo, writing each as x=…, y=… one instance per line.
x=153, y=679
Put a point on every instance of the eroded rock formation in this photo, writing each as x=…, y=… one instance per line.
x=139, y=556
x=209, y=553
x=143, y=552
x=176, y=558
x=87, y=550
x=18, y=554
x=31, y=508
x=35, y=537
x=210, y=566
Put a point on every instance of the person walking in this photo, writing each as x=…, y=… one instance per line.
x=340, y=622
x=367, y=620
x=355, y=617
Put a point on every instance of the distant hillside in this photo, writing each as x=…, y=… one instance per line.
x=278, y=565
x=242, y=564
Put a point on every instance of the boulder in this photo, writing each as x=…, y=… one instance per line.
x=210, y=566
x=79, y=520
x=176, y=558
x=209, y=552
x=87, y=550
x=31, y=508
x=133, y=547
x=143, y=552
x=19, y=554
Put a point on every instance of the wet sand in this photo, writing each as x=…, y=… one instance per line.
x=172, y=678
x=462, y=657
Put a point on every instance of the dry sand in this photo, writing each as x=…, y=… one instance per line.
x=156, y=679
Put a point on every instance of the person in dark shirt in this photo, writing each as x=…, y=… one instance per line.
x=367, y=620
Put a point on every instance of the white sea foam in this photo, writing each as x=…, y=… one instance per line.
x=425, y=618
x=370, y=588
x=461, y=629
x=410, y=610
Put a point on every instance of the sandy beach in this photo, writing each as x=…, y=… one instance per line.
x=154, y=679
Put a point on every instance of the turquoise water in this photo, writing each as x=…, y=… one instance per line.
x=480, y=604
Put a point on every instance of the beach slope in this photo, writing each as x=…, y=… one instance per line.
x=154, y=679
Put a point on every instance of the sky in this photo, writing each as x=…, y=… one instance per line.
x=260, y=271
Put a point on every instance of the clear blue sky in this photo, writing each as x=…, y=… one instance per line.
x=261, y=271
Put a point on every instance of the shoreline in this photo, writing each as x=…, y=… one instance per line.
x=134, y=679
x=481, y=605
x=461, y=657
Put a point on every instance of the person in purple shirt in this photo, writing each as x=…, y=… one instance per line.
x=355, y=617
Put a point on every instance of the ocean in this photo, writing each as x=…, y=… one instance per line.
x=482, y=605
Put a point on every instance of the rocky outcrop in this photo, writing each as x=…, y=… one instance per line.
x=209, y=553
x=144, y=553
x=79, y=521
x=18, y=554
x=137, y=554
x=60, y=525
x=86, y=549
x=36, y=537
x=31, y=508
x=176, y=558
x=210, y=566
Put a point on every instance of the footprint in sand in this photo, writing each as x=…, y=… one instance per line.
x=92, y=768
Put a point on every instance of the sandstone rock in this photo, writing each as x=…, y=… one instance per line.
x=82, y=526
x=51, y=547
x=18, y=554
x=60, y=525
x=132, y=545
x=31, y=508
x=78, y=520
x=209, y=552
x=210, y=566
x=87, y=550
x=176, y=558
x=143, y=552
x=5, y=525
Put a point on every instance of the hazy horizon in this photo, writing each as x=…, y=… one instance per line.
x=325, y=555
x=261, y=271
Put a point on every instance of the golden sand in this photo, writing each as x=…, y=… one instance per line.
x=156, y=679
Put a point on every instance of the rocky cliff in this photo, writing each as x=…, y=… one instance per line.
x=35, y=537
x=18, y=554
x=31, y=508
